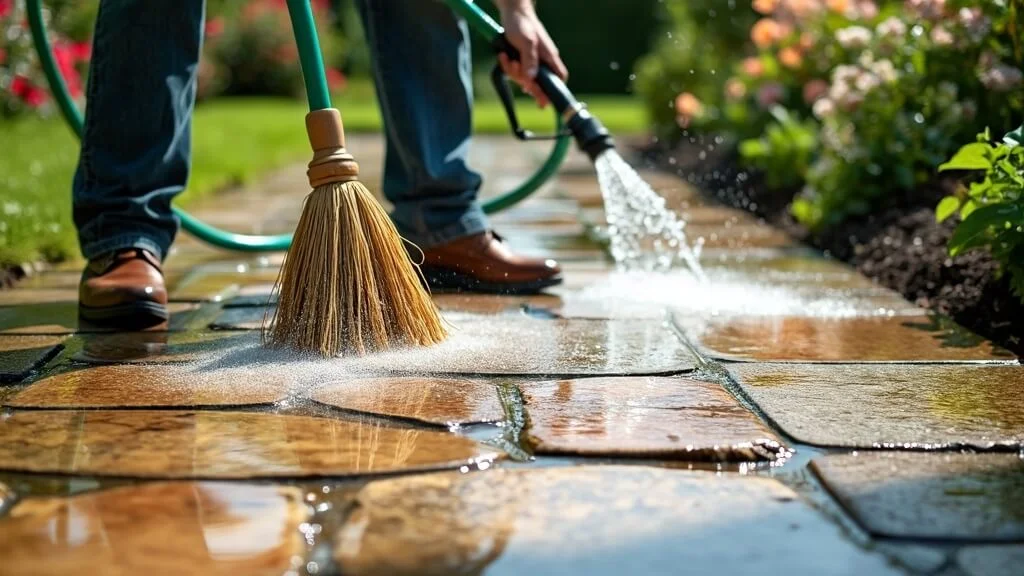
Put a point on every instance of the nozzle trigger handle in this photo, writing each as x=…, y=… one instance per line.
x=501, y=86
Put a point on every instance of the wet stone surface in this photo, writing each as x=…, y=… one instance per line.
x=591, y=520
x=136, y=386
x=530, y=346
x=526, y=345
x=676, y=418
x=873, y=339
x=220, y=281
x=438, y=401
x=20, y=355
x=1004, y=560
x=921, y=495
x=158, y=347
x=208, y=444
x=62, y=318
x=157, y=528
x=890, y=405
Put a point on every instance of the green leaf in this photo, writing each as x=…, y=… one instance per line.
x=1015, y=138
x=970, y=157
x=751, y=149
x=947, y=207
x=971, y=232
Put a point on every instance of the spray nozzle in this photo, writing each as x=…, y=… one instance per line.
x=591, y=136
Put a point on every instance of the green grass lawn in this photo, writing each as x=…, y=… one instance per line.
x=235, y=141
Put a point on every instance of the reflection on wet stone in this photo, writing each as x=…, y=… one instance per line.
x=890, y=405
x=62, y=318
x=20, y=355
x=158, y=347
x=921, y=495
x=1004, y=560
x=493, y=304
x=243, y=318
x=208, y=444
x=113, y=386
x=157, y=528
x=677, y=418
x=593, y=521
x=873, y=339
x=440, y=401
x=220, y=281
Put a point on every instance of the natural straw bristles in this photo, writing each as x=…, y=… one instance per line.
x=348, y=285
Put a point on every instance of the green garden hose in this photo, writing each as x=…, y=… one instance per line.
x=301, y=14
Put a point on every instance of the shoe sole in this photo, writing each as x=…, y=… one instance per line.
x=450, y=281
x=134, y=316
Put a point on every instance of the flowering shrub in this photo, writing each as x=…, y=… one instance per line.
x=893, y=87
x=23, y=87
x=249, y=49
x=991, y=209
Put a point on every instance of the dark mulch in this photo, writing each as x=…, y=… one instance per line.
x=901, y=247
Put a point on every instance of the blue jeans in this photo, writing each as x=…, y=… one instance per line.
x=136, y=149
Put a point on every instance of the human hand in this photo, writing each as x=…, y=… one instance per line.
x=526, y=33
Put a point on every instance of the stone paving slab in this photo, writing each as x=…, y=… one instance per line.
x=889, y=404
x=220, y=281
x=593, y=521
x=930, y=496
x=788, y=267
x=177, y=444
x=738, y=237
x=521, y=345
x=157, y=528
x=151, y=386
x=158, y=347
x=1005, y=560
x=437, y=401
x=859, y=339
x=674, y=418
x=62, y=318
x=20, y=355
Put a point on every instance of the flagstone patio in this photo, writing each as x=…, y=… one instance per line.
x=787, y=417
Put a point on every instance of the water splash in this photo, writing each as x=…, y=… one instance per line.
x=644, y=234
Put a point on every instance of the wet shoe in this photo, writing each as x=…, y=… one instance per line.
x=483, y=263
x=123, y=290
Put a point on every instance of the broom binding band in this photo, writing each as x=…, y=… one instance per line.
x=331, y=162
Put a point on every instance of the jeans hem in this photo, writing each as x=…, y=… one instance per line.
x=91, y=250
x=471, y=223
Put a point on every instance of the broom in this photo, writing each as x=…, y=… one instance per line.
x=347, y=285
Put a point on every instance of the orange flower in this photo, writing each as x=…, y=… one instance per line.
x=790, y=57
x=806, y=41
x=765, y=6
x=688, y=106
x=766, y=32
x=753, y=67
x=838, y=6
x=735, y=89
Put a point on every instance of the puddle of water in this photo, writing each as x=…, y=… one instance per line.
x=644, y=234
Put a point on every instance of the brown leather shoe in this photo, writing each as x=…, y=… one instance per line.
x=483, y=263
x=123, y=289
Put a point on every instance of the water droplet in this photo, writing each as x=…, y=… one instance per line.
x=613, y=65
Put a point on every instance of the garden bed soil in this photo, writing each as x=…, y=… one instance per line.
x=900, y=246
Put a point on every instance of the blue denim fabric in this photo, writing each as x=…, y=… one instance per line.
x=136, y=149
x=423, y=73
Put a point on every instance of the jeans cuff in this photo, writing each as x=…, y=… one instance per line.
x=126, y=241
x=472, y=222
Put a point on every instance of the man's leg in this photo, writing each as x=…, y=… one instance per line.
x=135, y=151
x=423, y=73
